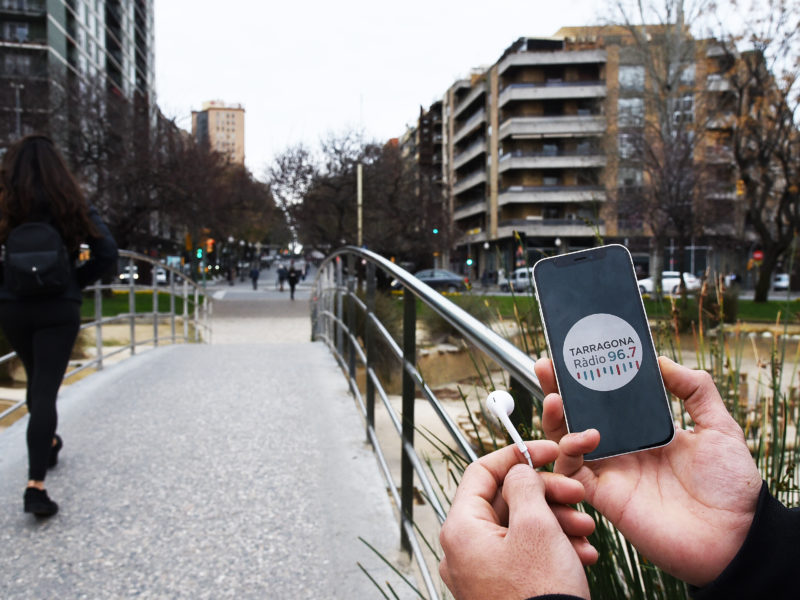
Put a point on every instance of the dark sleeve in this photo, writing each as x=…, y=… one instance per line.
x=104, y=253
x=766, y=564
x=556, y=597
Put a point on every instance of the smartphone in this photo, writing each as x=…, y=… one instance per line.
x=602, y=349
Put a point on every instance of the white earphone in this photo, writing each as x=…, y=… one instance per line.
x=501, y=404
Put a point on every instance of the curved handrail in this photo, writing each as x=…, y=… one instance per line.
x=179, y=285
x=337, y=330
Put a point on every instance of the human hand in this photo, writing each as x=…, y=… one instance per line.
x=509, y=533
x=687, y=507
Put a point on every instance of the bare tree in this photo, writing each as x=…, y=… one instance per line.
x=662, y=137
x=763, y=97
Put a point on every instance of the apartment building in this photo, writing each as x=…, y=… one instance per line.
x=220, y=127
x=539, y=152
x=50, y=45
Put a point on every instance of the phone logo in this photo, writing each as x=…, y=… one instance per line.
x=602, y=352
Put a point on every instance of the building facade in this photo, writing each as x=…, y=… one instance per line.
x=50, y=47
x=220, y=127
x=542, y=152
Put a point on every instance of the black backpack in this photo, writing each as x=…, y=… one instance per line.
x=36, y=261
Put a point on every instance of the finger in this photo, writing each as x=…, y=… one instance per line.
x=700, y=396
x=574, y=523
x=562, y=490
x=571, y=449
x=547, y=376
x=585, y=551
x=554, y=425
x=524, y=493
x=483, y=478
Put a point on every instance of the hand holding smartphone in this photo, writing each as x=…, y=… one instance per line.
x=602, y=350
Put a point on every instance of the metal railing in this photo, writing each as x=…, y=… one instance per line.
x=195, y=310
x=333, y=313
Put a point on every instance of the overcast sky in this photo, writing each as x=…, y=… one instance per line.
x=306, y=68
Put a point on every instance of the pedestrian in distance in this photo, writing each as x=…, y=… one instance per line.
x=697, y=508
x=282, y=275
x=254, y=273
x=293, y=275
x=40, y=315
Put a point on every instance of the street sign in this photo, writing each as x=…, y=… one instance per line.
x=758, y=255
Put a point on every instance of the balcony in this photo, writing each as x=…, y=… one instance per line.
x=468, y=182
x=472, y=123
x=717, y=83
x=518, y=194
x=26, y=8
x=572, y=159
x=470, y=209
x=550, y=227
x=556, y=126
x=557, y=57
x=552, y=90
x=719, y=154
x=478, y=91
x=475, y=149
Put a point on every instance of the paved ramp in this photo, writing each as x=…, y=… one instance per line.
x=233, y=470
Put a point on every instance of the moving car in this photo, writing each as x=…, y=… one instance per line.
x=443, y=280
x=125, y=273
x=670, y=283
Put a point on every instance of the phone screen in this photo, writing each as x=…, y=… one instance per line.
x=602, y=349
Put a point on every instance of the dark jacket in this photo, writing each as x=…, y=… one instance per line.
x=103, y=260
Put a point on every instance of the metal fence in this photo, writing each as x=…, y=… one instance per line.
x=191, y=325
x=337, y=295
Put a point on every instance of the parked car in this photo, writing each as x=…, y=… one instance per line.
x=670, y=283
x=161, y=276
x=521, y=279
x=780, y=282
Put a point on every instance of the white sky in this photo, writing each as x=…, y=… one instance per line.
x=306, y=68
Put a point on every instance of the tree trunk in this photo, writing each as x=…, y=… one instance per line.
x=764, y=281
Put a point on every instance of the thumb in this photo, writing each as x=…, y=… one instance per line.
x=523, y=491
x=700, y=396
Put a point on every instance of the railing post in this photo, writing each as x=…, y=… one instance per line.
x=197, y=310
x=155, y=305
x=98, y=327
x=132, y=304
x=369, y=342
x=522, y=415
x=172, y=304
x=185, y=311
x=351, y=318
x=338, y=296
x=406, y=468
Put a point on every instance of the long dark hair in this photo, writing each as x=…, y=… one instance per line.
x=36, y=185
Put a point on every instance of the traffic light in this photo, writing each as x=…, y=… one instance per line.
x=469, y=262
x=435, y=231
x=740, y=187
x=209, y=246
x=199, y=253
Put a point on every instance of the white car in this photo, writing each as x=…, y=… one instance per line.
x=670, y=283
x=780, y=282
x=125, y=273
x=521, y=279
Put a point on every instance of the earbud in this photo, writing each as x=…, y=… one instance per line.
x=501, y=404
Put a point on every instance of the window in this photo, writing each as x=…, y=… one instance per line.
x=628, y=177
x=631, y=112
x=627, y=146
x=683, y=109
x=15, y=32
x=631, y=77
x=17, y=64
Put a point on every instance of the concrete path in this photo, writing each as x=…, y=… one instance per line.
x=231, y=470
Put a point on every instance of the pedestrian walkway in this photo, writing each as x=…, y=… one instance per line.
x=231, y=470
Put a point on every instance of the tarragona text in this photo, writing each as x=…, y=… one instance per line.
x=605, y=345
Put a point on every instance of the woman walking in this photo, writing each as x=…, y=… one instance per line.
x=37, y=187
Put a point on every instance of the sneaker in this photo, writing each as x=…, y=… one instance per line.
x=55, y=450
x=38, y=502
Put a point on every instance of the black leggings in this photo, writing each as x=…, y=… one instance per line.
x=42, y=332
